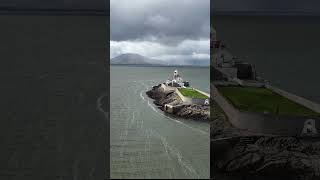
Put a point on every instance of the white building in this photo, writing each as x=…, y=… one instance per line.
x=176, y=80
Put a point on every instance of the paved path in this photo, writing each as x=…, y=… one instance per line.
x=207, y=94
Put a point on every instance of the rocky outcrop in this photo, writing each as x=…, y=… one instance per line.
x=196, y=112
x=156, y=92
x=254, y=157
x=189, y=111
x=270, y=157
x=162, y=97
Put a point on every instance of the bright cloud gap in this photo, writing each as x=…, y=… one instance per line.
x=187, y=49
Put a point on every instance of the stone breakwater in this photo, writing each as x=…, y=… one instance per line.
x=188, y=111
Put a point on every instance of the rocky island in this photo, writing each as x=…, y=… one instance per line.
x=177, y=98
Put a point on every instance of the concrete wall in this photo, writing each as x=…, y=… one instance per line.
x=224, y=73
x=217, y=75
x=207, y=94
x=171, y=108
x=231, y=112
x=309, y=104
x=168, y=88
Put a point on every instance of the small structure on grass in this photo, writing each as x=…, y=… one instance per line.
x=309, y=128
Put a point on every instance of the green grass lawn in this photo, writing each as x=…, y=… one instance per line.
x=189, y=92
x=264, y=100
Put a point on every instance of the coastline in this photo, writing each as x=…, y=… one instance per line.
x=187, y=111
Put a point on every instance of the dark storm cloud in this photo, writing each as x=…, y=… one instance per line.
x=165, y=21
x=309, y=6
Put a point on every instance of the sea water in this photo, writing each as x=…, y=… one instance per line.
x=145, y=142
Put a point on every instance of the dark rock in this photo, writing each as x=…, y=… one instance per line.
x=274, y=157
x=155, y=92
x=195, y=112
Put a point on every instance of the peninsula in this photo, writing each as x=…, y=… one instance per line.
x=176, y=97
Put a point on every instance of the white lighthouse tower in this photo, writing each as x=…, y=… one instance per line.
x=176, y=77
x=175, y=74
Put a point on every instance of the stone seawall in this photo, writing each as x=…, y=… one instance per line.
x=207, y=94
x=231, y=112
x=167, y=88
x=300, y=100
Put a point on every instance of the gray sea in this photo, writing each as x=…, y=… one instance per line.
x=145, y=142
x=285, y=50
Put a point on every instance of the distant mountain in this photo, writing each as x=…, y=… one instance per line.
x=136, y=59
x=131, y=58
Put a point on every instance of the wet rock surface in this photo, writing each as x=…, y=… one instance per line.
x=191, y=111
x=244, y=155
x=196, y=112
x=270, y=157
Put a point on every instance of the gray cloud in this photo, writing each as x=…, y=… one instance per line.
x=169, y=30
x=188, y=49
x=167, y=21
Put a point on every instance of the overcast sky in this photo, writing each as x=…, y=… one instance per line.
x=161, y=29
x=310, y=6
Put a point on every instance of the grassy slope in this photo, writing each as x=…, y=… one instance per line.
x=261, y=99
x=188, y=92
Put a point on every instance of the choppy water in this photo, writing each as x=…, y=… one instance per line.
x=146, y=143
x=285, y=50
